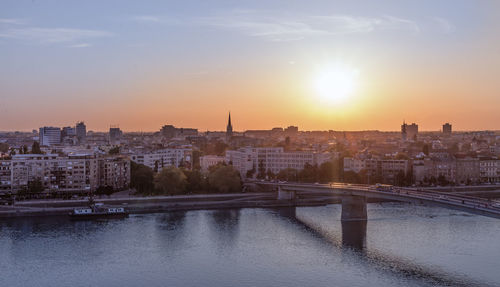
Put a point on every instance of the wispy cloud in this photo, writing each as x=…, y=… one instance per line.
x=12, y=21
x=444, y=25
x=155, y=19
x=81, y=45
x=52, y=35
x=296, y=27
x=147, y=18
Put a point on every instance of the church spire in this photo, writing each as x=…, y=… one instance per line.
x=229, y=129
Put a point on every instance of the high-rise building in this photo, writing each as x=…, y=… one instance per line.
x=81, y=132
x=404, y=135
x=49, y=136
x=447, y=129
x=412, y=131
x=115, y=134
x=229, y=128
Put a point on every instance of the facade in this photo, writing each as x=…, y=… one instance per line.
x=210, y=160
x=49, y=136
x=165, y=157
x=169, y=131
x=114, y=172
x=272, y=159
x=115, y=135
x=489, y=170
x=447, y=129
x=81, y=132
x=73, y=173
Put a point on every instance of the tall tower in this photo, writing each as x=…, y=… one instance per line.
x=229, y=129
x=403, y=131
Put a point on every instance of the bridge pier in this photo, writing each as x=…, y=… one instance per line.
x=354, y=234
x=354, y=208
x=285, y=195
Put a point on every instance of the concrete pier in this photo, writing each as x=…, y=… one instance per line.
x=285, y=195
x=353, y=208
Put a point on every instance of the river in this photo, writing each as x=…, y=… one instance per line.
x=400, y=245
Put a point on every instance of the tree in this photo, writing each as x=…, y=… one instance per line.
x=351, y=177
x=35, y=148
x=250, y=173
x=270, y=174
x=196, y=182
x=170, y=180
x=141, y=178
x=105, y=190
x=35, y=186
x=261, y=170
x=309, y=173
x=114, y=150
x=225, y=179
x=328, y=171
x=288, y=174
x=4, y=147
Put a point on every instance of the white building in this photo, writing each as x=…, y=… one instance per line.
x=489, y=170
x=49, y=136
x=272, y=159
x=164, y=157
x=210, y=160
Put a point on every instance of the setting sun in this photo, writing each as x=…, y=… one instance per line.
x=336, y=84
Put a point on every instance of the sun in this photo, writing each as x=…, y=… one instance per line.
x=335, y=84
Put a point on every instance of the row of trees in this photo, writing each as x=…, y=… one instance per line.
x=175, y=181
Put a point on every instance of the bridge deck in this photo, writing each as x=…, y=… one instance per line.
x=455, y=201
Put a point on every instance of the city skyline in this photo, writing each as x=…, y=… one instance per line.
x=188, y=65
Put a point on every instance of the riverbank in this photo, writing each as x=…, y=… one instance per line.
x=154, y=204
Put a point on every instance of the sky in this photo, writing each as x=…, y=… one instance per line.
x=144, y=64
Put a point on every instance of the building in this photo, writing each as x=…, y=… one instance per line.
x=447, y=129
x=273, y=159
x=49, y=136
x=78, y=173
x=378, y=170
x=412, y=131
x=207, y=161
x=169, y=131
x=159, y=159
x=489, y=170
x=114, y=172
x=115, y=135
x=409, y=132
x=229, y=128
x=81, y=132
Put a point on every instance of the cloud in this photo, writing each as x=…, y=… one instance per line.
x=296, y=27
x=444, y=25
x=81, y=45
x=147, y=18
x=12, y=21
x=155, y=19
x=52, y=35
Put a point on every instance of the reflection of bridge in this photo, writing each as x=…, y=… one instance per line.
x=354, y=197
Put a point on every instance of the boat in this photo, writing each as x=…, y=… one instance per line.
x=97, y=211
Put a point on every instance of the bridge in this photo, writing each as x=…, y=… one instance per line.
x=354, y=197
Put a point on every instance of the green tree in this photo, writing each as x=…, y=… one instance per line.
x=141, y=178
x=309, y=173
x=261, y=170
x=250, y=173
x=114, y=150
x=35, y=186
x=288, y=174
x=4, y=147
x=351, y=177
x=328, y=171
x=170, y=180
x=35, y=148
x=225, y=179
x=196, y=182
